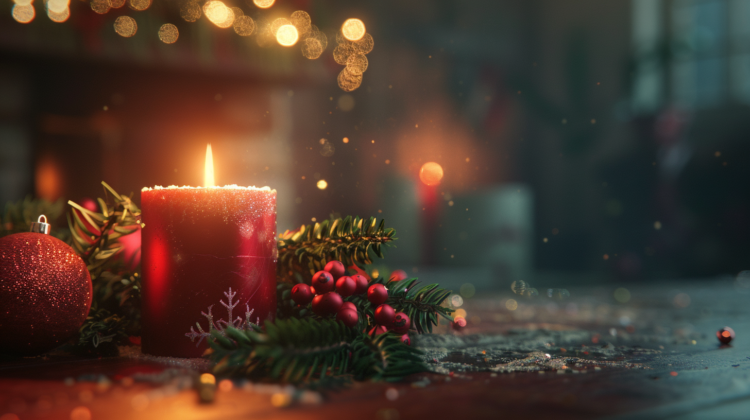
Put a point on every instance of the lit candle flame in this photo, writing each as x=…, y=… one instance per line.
x=208, y=175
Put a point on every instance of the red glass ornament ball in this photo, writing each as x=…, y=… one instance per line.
x=327, y=304
x=385, y=315
x=361, y=282
x=45, y=293
x=301, y=294
x=377, y=294
x=406, y=340
x=345, y=286
x=348, y=316
x=401, y=323
x=725, y=335
x=377, y=330
x=349, y=305
x=323, y=282
x=398, y=275
x=336, y=268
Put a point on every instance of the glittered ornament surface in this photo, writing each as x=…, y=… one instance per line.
x=45, y=293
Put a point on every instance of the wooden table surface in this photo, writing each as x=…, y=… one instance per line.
x=655, y=356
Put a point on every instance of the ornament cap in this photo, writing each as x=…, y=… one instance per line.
x=40, y=226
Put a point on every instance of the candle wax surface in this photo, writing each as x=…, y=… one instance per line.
x=197, y=244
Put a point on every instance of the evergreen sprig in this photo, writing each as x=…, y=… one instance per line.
x=349, y=240
x=310, y=350
x=95, y=234
x=423, y=304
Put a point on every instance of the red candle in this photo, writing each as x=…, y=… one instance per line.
x=208, y=261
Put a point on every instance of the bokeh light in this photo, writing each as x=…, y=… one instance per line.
x=622, y=295
x=23, y=2
x=244, y=26
x=311, y=48
x=99, y=6
x=357, y=64
x=80, y=413
x=190, y=11
x=264, y=4
x=322, y=184
x=346, y=103
x=349, y=82
x=168, y=33
x=57, y=6
x=125, y=26
x=431, y=173
x=511, y=304
x=287, y=35
x=208, y=378
x=116, y=4
x=301, y=20
x=353, y=29
x=218, y=13
x=226, y=385
x=58, y=17
x=139, y=5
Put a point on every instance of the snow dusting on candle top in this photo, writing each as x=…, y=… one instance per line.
x=226, y=187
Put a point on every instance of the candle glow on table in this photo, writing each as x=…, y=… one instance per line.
x=201, y=246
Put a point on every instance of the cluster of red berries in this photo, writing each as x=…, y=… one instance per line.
x=326, y=295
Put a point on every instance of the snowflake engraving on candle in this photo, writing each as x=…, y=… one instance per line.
x=221, y=325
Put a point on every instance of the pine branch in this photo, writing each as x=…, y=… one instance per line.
x=423, y=304
x=301, y=351
x=20, y=214
x=101, y=332
x=96, y=240
x=349, y=240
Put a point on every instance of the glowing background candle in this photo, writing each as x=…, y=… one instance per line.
x=197, y=244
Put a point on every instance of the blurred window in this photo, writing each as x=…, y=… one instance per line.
x=696, y=53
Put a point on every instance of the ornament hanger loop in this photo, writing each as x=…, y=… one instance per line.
x=40, y=226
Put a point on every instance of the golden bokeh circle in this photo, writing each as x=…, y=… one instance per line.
x=347, y=81
x=58, y=6
x=322, y=184
x=190, y=11
x=125, y=26
x=342, y=52
x=311, y=48
x=278, y=23
x=287, y=35
x=99, y=6
x=264, y=4
x=301, y=20
x=366, y=44
x=244, y=25
x=58, y=17
x=431, y=173
x=23, y=13
x=116, y=4
x=237, y=12
x=168, y=33
x=357, y=63
x=218, y=13
x=23, y=2
x=320, y=36
x=353, y=29
x=139, y=5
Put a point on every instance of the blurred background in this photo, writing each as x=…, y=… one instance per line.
x=581, y=141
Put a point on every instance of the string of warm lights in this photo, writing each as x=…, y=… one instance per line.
x=353, y=41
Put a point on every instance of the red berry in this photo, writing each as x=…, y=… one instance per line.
x=377, y=294
x=385, y=315
x=406, y=340
x=361, y=284
x=336, y=269
x=398, y=275
x=323, y=282
x=725, y=335
x=348, y=305
x=401, y=323
x=327, y=304
x=348, y=317
x=377, y=330
x=345, y=286
x=301, y=294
